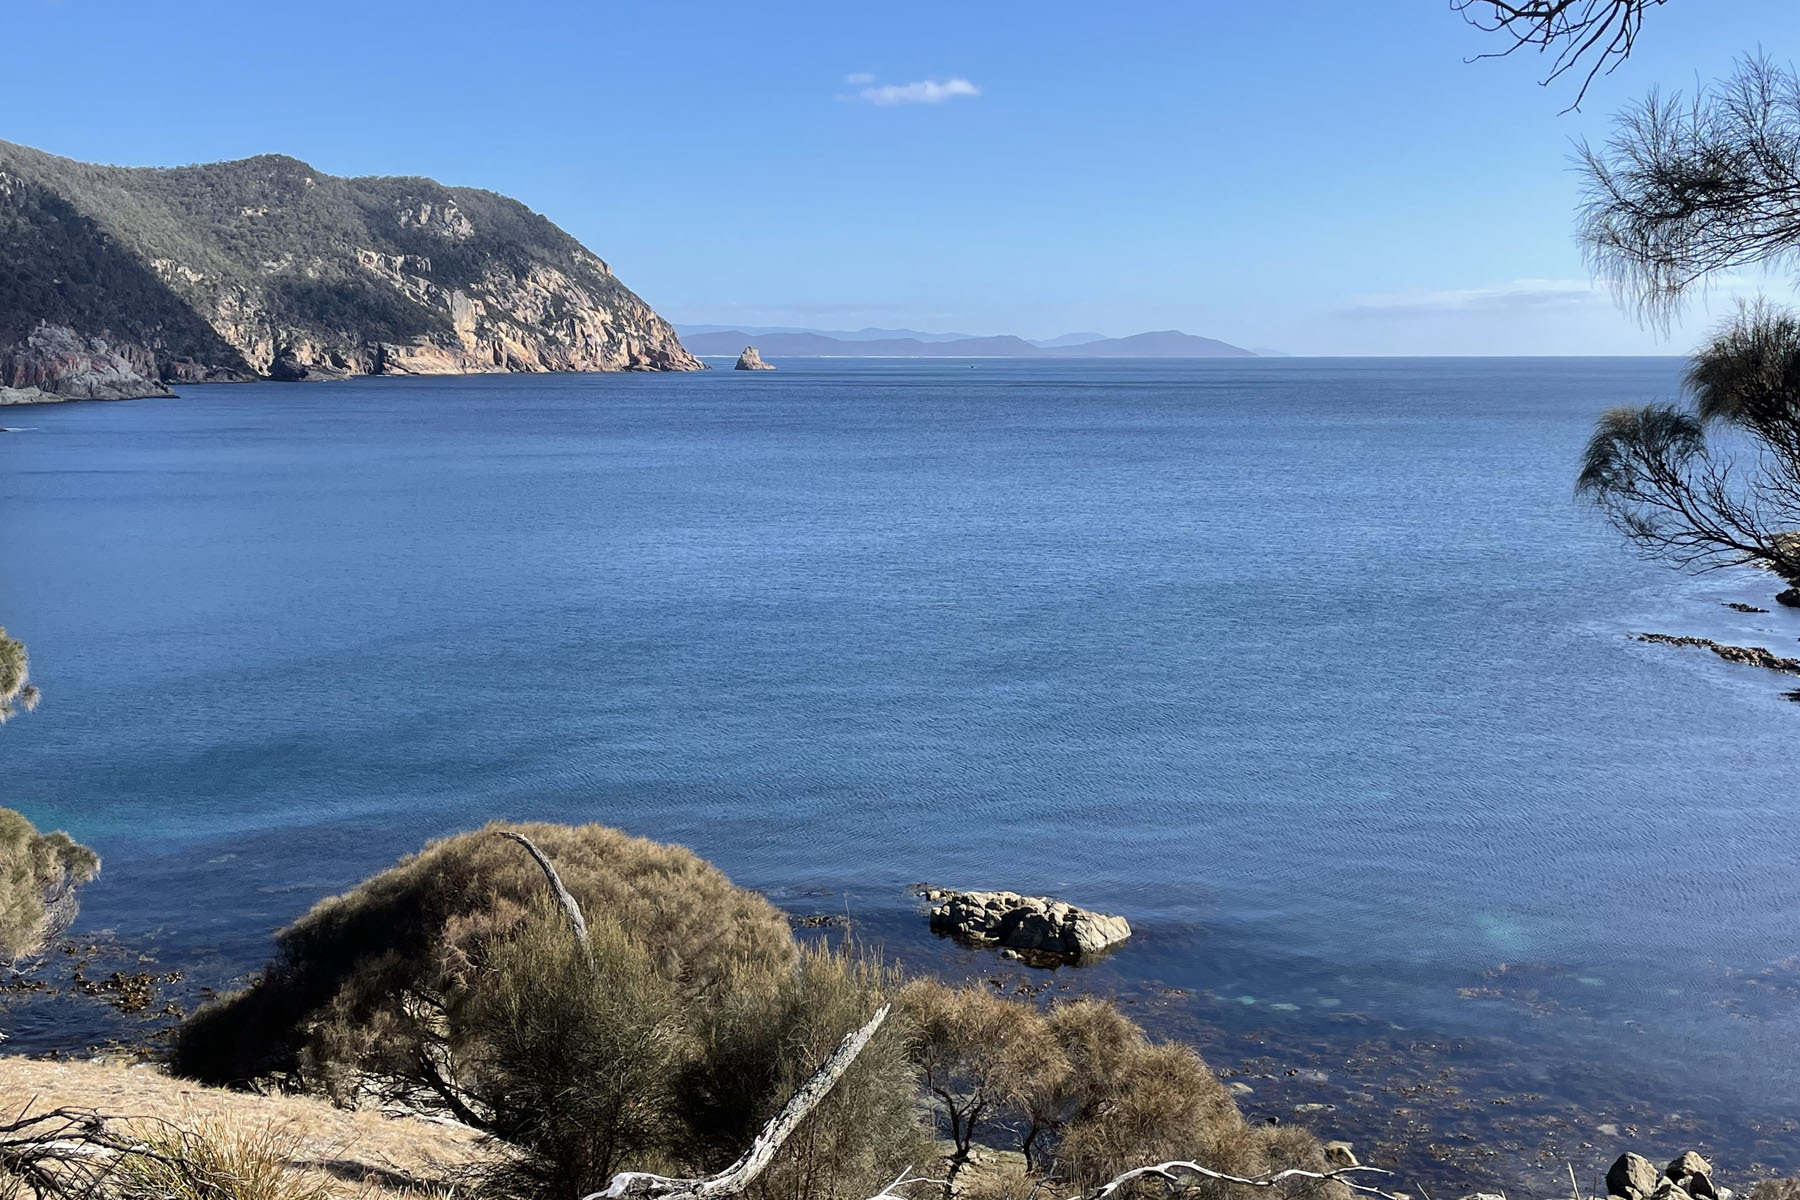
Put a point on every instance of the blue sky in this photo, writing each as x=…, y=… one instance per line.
x=1320, y=177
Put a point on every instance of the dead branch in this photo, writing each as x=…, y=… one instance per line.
x=742, y=1173
x=901, y=1180
x=1172, y=1173
x=570, y=906
x=1570, y=31
x=65, y=1153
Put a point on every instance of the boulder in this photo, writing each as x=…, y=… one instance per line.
x=1340, y=1154
x=1035, y=923
x=1789, y=598
x=1693, y=1175
x=750, y=360
x=1633, y=1176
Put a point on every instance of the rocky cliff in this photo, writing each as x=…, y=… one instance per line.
x=266, y=268
x=55, y=363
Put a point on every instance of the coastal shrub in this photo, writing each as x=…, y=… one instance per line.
x=572, y=1060
x=989, y=1067
x=16, y=690
x=759, y=1046
x=454, y=984
x=38, y=876
x=1775, y=1189
x=368, y=978
x=1080, y=1089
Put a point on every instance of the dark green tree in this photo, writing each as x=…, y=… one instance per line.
x=16, y=690
x=1685, y=188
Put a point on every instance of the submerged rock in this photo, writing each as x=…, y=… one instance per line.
x=750, y=360
x=1750, y=656
x=1033, y=923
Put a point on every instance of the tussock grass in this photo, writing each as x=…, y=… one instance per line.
x=214, y=1160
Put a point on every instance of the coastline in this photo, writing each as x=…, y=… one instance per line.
x=1450, y=1110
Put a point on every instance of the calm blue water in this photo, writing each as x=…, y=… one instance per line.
x=1314, y=668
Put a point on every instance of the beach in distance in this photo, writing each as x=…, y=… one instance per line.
x=1315, y=669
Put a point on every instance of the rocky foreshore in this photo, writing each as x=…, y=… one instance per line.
x=1034, y=925
x=1749, y=656
x=54, y=363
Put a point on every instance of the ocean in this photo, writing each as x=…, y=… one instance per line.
x=1315, y=669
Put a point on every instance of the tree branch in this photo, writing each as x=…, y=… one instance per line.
x=570, y=906
x=1172, y=1172
x=742, y=1173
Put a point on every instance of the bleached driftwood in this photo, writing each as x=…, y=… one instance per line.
x=1173, y=1171
x=570, y=906
x=740, y=1174
x=901, y=1180
x=67, y=1152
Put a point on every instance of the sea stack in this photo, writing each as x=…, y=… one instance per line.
x=750, y=360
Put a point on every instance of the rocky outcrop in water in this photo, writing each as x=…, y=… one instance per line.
x=750, y=360
x=54, y=362
x=266, y=268
x=1035, y=924
x=1749, y=656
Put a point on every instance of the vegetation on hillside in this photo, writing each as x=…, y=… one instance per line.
x=230, y=264
x=39, y=872
x=38, y=876
x=16, y=688
x=666, y=1030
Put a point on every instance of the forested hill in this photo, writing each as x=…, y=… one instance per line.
x=265, y=266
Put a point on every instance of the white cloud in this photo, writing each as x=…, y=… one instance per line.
x=925, y=91
x=859, y=77
x=1514, y=296
x=1541, y=296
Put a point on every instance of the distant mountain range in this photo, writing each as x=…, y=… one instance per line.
x=713, y=340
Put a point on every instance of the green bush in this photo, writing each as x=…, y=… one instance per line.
x=452, y=983
x=573, y=1061
x=758, y=1047
x=16, y=691
x=1082, y=1087
x=366, y=978
x=38, y=876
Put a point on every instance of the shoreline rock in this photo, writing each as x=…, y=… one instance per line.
x=1749, y=656
x=1036, y=925
x=1688, y=1177
x=750, y=360
x=54, y=363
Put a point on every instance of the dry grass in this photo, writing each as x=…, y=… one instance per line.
x=334, y=1152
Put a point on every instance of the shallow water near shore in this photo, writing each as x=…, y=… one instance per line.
x=1312, y=668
